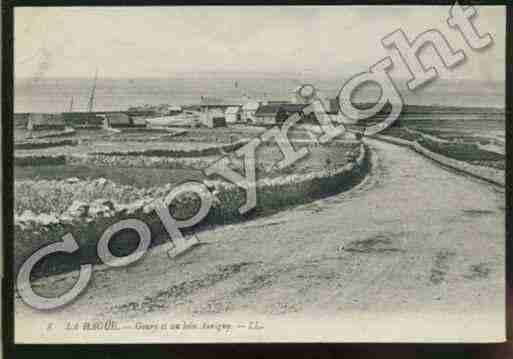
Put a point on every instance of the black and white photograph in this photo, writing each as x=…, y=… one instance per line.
x=259, y=174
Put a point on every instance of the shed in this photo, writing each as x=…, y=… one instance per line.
x=233, y=114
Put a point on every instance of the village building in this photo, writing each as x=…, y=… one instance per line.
x=182, y=120
x=144, y=111
x=276, y=113
x=21, y=120
x=333, y=106
x=213, y=118
x=139, y=121
x=45, y=121
x=82, y=120
x=233, y=114
x=248, y=111
x=168, y=110
x=118, y=120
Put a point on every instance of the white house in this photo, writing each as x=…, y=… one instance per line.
x=182, y=120
x=213, y=118
x=249, y=110
x=114, y=120
x=233, y=114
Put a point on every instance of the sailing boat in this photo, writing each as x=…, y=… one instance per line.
x=90, y=104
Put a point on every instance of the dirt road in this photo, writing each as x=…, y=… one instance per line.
x=413, y=240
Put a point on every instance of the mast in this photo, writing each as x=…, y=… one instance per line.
x=90, y=105
x=71, y=105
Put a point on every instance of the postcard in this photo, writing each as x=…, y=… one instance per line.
x=259, y=174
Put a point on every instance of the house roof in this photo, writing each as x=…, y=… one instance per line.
x=211, y=101
x=215, y=113
x=180, y=120
x=118, y=118
x=251, y=106
x=272, y=109
x=232, y=110
x=168, y=108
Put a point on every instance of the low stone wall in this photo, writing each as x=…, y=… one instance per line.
x=63, y=133
x=279, y=192
x=44, y=143
x=146, y=158
x=272, y=195
x=207, y=151
x=492, y=175
x=197, y=163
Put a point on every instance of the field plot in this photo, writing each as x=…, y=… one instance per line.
x=475, y=141
x=85, y=185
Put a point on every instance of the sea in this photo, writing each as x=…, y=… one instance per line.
x=53, y=95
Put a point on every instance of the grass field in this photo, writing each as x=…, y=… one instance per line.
x=53, y=194
x=476, y=141
x=130, y=161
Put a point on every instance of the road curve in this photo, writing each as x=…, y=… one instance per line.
x=412, y=238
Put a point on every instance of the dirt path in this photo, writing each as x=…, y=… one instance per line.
x=412, y=238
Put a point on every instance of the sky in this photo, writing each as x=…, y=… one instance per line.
x=142, y=42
